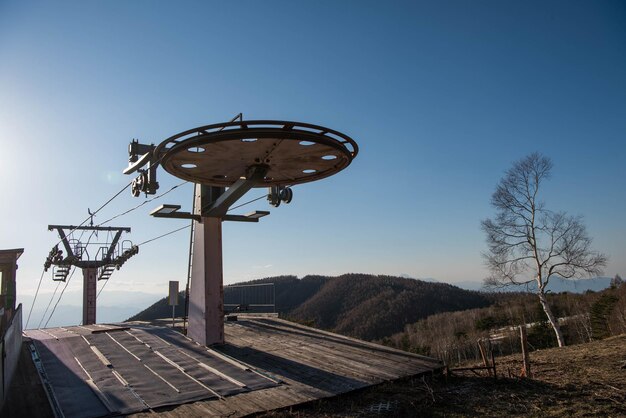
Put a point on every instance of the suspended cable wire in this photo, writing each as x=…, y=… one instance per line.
x=132, y=209
x=248, y=202
x=92, y=214
x=51, y=299
x=100, y=291
x=164, y=235
x=109, y=201
x=188, y=226
x=36, y=293
x=143, y=203
x=67, y=282
x=49, y=303
x=90, y=217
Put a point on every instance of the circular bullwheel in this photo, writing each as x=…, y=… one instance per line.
x=220, y=154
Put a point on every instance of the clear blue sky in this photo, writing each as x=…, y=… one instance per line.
x=441, y=96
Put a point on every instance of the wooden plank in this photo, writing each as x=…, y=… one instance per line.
x=255, y=402
x=100, y=356
x=332, y=364
x=361, y=342
x=220, y=374
x=387, y=365
x=289, y=395
x=213, y=407
x=313, y=364
x=359, y=351
x=368, y=366
x=347, y=342
x=396, y=362
x=298, y=373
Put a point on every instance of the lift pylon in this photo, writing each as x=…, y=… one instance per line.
x=225, y=161
x=98, y=267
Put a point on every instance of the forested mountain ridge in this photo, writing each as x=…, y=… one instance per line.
x=371, y=307
x=361, y=305
x=452, y=336
x=290, y=293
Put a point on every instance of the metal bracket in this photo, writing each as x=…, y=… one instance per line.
x=147, y=180
x=219, y=208
x=250, y=217
x=171, y=211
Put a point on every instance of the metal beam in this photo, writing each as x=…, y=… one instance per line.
x=113, y=244
x=178, y=215
x=143, y=160
x=239, y=218
x=165, y=209
x=88, y=228
x=219, y=208
x=66, y=243
x=173, y=213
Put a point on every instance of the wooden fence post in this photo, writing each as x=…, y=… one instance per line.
x=483, y=355
x=493, y=360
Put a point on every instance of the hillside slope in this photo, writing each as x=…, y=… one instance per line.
x=291, y=292
x=372, y=307
x=361, y=305
x=585, y=380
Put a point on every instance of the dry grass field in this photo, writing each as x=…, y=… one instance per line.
x=576, y=381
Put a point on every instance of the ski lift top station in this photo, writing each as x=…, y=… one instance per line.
x=225, y=161
x=106, y=370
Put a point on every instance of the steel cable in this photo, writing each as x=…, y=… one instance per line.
x=49, y=303
x=35, y=298
x=143, y=203
x=67, y=282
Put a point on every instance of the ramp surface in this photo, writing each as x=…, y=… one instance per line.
x=309, y=363
x=107, y=370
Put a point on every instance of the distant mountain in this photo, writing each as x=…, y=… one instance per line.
x=470, y=285
x=424, y=279
x=361, y=305
x=371, y=307
x=290, y=292
x=556, y=285
x=595, y=284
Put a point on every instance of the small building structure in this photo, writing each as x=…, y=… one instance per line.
x=10, y=320
x=8, y=268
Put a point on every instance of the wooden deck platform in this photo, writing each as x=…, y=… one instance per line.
x=266, y=364
x=310, y=364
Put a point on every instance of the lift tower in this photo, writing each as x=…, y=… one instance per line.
x=225, y=161
x=107, y=258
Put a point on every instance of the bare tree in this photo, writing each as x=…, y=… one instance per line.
x=616, y=281
x=531, y=244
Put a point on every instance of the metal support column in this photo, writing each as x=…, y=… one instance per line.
x=206, y=295
x=89, y=295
